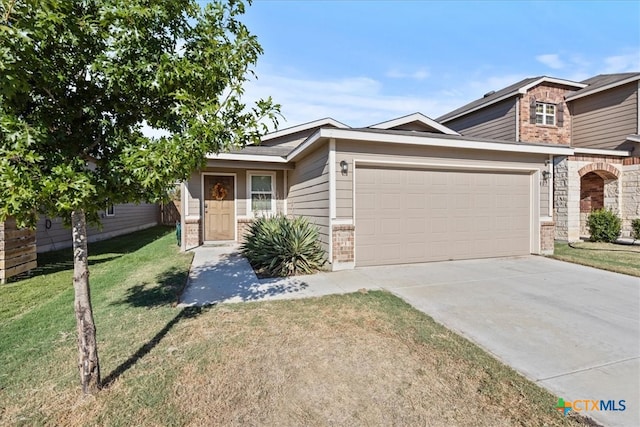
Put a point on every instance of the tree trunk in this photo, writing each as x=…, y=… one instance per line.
x=87, y=345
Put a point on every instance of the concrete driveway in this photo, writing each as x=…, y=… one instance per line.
x=574, y=330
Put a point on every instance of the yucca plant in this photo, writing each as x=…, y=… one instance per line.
x=284, y=246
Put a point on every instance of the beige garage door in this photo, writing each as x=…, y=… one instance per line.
x=407, y=216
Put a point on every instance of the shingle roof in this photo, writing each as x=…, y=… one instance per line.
x=602, y=80
x=264, y=150
x=492, y=97
x=509, y=90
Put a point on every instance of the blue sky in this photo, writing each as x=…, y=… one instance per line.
x=362, y=62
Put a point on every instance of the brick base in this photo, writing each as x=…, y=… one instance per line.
x=547, y=237
x=343, y=244
x=192, y=232
x=243, y=228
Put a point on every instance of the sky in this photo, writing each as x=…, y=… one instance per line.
x=364, y=62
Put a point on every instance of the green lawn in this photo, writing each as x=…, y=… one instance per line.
x=361, y=359
x=606, y=256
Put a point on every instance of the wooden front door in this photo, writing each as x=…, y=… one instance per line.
x=219, y=208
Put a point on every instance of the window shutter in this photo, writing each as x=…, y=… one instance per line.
x=560, y=114
x=532, y=110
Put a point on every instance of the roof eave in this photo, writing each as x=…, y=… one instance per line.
x=603, y=88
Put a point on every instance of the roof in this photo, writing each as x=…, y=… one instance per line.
x=412, y=118
x=518, y=88
x=327, y=121
x=603, y=82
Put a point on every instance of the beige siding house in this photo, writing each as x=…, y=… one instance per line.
x=597, y=118
x=51, y=234
x=406, y=190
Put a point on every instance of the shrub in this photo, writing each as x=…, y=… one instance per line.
x=604, y=226
x=283, y=246
x=635, y=229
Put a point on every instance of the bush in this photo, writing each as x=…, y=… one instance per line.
x=635, y=229
x=283, y=246
x=604, y=226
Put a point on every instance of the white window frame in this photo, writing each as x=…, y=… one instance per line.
x=546, y=114
x=110, y=210
x=271, y=174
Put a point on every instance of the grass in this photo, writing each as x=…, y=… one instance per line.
x=361, y=359
x=619, y=258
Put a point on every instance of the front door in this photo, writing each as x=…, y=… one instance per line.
x=219, y=207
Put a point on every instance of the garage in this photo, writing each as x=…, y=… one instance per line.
x=411, y=215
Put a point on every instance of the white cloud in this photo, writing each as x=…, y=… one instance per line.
x=419, y=74
x=551, y=60
x=355, y=101
x=622, y=63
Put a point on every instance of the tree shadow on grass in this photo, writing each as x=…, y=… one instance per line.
x=185, y=313
x=165, y=291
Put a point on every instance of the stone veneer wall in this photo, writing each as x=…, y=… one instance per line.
x=630, y=196
x=561, y=197
x=343, y=243
x=566, y=185
x=531, y=132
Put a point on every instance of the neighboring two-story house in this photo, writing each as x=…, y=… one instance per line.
x=598, y=118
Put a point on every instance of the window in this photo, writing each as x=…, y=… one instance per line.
x=261, y=192
x=111, y=210
x=545, y=114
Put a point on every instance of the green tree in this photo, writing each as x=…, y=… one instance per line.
x=80, y=79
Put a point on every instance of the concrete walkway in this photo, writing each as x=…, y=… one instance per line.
x=574, y=330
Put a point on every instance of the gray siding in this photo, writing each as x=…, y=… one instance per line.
x=194, y=189
x=605, y=119
x=128, y=218
x=370, y=151
x=497, y=121
x=309, y=190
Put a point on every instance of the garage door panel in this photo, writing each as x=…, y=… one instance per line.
x=421, y=215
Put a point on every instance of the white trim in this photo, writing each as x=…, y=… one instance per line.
x=332, y=192
x=415, y=117
x=521, y=90
x=545, y=219
x=113, y=211
x=239, y=164
x=601, y=152
x=272, y=174
x=603, y=88
x=525, y=89
x=534, y=224
x=246, y=157
x=303, y=127
x=285, y=191
x=235, y=204
x=634, y=138
x=443, y=166
x=431, y=141
x=343, y=221
x=332, y=178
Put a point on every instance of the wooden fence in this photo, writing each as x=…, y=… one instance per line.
x=17, y=250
